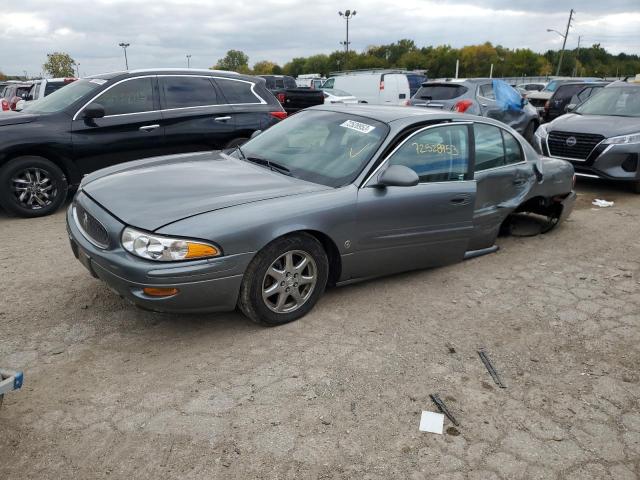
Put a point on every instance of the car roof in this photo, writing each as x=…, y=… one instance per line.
x=175, y=71
x=584, y=84
x=389, y=114
x=621, y=83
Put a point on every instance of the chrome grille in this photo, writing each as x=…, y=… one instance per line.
x=91, y=228
x=572, y=145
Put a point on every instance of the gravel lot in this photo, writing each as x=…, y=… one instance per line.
x=115, y=392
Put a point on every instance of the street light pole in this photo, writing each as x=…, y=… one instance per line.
x=124, y=47
x=347, y=15
x=188, y=60
x=77, y=70
x=564, y=40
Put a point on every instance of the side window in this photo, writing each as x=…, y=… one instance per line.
x=584, y=94
x=512, y=149
x=132, y=96
x=438, y=154
x=486, y=91
x=489, y=148
x=329, y=83
x=181, y=92
x=237, y=92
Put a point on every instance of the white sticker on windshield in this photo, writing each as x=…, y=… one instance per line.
x=357, y=126
x=99, y=81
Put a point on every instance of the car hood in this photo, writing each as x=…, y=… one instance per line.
x=608, y=126
x=15, y=118
x=155, y=192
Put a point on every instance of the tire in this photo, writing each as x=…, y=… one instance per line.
x=271, y=310
x=45, y=187
x=235, y=142
x=529, y=132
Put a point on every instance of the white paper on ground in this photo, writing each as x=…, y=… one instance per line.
x=431, y=422
x=602, y=203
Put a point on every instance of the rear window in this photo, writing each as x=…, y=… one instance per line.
x=52, y=87
x=237, y=92
x=182, y=92
x=441, y=92
x=289, y=82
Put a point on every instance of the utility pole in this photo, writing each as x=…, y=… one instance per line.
x=189, y=61
x=124, y=47
x=347, y=15
x=77, y=70
x=564, y=41
x=575, y=69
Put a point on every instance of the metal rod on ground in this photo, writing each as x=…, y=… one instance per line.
x=490, y=368
x=443, y=408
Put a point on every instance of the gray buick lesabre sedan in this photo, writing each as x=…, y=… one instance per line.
x=332, y=195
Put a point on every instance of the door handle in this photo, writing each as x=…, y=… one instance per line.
x=148, y=128
x=519, y=181
x=459, y=200
x=222, y=119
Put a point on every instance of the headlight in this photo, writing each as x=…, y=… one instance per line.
x=541, y=132
x=623, y=139
x=165, y=249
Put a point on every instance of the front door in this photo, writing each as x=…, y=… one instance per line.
x=406, y=228
x=503, y=180
x=131, y=128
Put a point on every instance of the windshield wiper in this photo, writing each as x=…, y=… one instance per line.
x=276, y=167
x=240, y=151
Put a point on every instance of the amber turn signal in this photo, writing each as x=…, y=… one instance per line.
x=199, y=250
x=160, y=292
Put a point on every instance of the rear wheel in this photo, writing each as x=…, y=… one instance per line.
x=32, y=186
x=284, y=280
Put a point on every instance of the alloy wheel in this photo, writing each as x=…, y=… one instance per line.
x=289, y=281
x=33, y=188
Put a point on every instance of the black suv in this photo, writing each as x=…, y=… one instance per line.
x=103, y=120
x=568, y=94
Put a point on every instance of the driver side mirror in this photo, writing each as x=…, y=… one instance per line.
x=398, y=176
x=570, y=108
x=93, y=110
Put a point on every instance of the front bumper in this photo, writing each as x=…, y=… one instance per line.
x=611, y=162
x=203, y=285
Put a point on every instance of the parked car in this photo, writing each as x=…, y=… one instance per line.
x=42, y=88
x=531, y=87
x=333, y=194
x=476, y=96
x=374, y=87
x=310, y=80
x=99, y=121
x=539, y=99
x=12, y=94
x=415, y=82
x=572, y=93
x=290, y=96
x=601, y=137
x=333, y=95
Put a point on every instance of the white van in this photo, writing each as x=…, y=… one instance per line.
x=377, y=88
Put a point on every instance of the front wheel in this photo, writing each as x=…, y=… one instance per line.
x=284, y=280
x=32, y=186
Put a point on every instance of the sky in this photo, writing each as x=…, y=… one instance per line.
x=162, y=32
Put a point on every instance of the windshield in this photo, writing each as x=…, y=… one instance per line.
x=616, y=101
x=328, y=148
x=64, y=97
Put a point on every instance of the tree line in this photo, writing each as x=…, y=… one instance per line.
x=440, y=61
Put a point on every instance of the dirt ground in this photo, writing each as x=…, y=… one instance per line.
x=115, y=392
